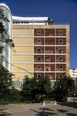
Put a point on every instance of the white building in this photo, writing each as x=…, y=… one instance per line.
x=5, y=47
x=73, y=74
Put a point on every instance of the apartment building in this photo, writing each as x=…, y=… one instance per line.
x=41, y=48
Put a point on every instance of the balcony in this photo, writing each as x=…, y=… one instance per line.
x=50, y=41
x=49, y=50
x=49, y=58
x=50, y=75
x=49, y=67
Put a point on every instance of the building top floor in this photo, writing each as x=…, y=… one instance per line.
x=32, y=20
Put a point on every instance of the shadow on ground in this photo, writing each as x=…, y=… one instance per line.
x=69, y=104
x=56, y=110
x=3, y=113
x=61, y=111
x=71, y=114
x=44, y=112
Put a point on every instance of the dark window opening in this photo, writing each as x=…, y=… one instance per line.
x=60, y=32
x=60, y=67
x=39, y=49
x=60, y=41
x=39, y=41
x=60, y=76
x=38, y=32
x=38, y=58
x=38, y=67
x=38, y=75
x=60, y=50
x=60, y=58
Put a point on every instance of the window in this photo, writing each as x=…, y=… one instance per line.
x=38, y=75
x=60, y=32
x=60, y=50
x=39, y=41
x=60, y=58
x=39, y=59
x=61, y=41
x=38, y=49
x=38, y=32
x=60, y=76
x=39, y=67
x=60, y=67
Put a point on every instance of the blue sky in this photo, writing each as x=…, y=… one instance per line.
x=61, y=11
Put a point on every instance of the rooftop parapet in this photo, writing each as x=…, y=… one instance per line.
x=32, y=20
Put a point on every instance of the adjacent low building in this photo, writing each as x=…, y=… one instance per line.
x=73, y=74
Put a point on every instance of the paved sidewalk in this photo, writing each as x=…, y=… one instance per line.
x=50, y=109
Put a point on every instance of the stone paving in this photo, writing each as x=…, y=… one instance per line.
x=48, y=109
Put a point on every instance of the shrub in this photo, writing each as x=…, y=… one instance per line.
x=11, y=96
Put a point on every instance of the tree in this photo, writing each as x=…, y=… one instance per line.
x=63, y=86
x=26, y=87
x=5, y=80
x=29, y=88
x=44, y=86
x=36, y=88
x=8, y=93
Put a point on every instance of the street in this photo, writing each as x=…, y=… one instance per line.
x=50, y=109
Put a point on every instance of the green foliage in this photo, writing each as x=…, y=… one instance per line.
x=36, y=88
x=27, y=86
x=63, y=86
x=7, y=91
x=5, y=80
x=12, y=96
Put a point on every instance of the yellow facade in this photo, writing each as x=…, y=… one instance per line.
x=22, y=53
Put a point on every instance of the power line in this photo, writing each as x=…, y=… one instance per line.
x=19, y=67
